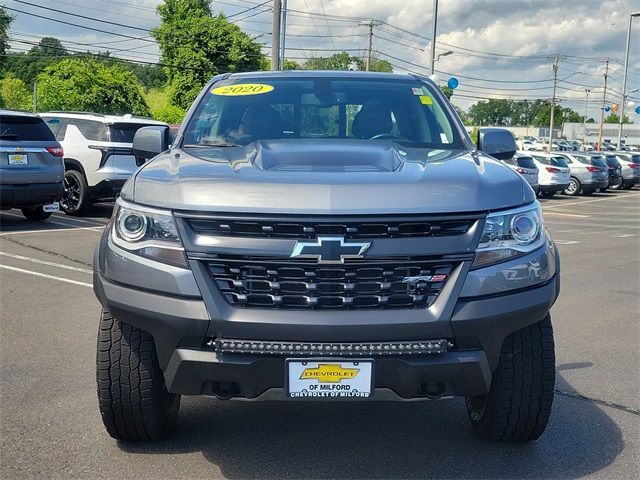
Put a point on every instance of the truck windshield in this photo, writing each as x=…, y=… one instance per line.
x=241, y=111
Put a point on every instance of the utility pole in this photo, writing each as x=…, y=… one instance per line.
x=624, y=78
x=433, y=36
x=584, y=121
x=604, y=101
x=275, y=37
x=283, y=38
x=369, y=24
x=553, y=99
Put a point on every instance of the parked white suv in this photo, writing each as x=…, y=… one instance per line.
x=98, y=156
x=553, y=172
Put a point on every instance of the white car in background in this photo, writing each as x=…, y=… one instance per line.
x=98, y=159
x=553, y=172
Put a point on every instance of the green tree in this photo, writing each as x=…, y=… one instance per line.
x=50, y=47
x=462, y=114
x=27, y=66
x=560, y=115
x=199, y=46
x=291, y=65
x=5, y=22
x=491, y=112
x=615, y=118
x=15, y=94
x=161, y=108
x=90, y=85
x=344, y=61
x=448, y=92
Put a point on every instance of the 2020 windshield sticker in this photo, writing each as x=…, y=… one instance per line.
x=242, y=89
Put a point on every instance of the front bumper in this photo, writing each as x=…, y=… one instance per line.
x=179, y=327
x=28, y=195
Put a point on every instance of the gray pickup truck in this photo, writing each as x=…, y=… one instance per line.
x=325, y=236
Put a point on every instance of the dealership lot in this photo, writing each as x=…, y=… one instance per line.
x=51, y=426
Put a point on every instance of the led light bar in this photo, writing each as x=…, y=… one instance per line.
x=414, y=347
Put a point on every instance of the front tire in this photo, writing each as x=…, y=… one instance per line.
x=75, y=200
x=35, y=214
x=132, y=396
x=518, y=404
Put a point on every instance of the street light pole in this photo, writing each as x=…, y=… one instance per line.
x=584, y=121
x=553, y=101
x=449, y=52
x=433, y=37
x=624, y=78
x=604, y=102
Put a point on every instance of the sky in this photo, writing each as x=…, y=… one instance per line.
x=501, y=48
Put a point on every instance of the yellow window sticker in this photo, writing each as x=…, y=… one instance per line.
x=242, y=89
x=426, y=100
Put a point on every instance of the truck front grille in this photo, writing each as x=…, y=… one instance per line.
x=288, y=284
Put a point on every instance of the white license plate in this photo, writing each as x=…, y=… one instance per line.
x=18, y=159
x=51, y=207
x=329, y=379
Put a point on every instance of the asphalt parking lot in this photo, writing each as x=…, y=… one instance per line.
x=51, y=428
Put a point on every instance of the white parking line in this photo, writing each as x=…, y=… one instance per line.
x=44, y=275
x=73, y=225
x=79, y=220
x=562, y=214
x=50, y=230
x=566, y=242
x=563, y=205
x=44, y=262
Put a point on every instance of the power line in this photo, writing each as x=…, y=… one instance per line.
x=80, y=16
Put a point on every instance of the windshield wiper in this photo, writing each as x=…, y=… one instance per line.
x=8, y=135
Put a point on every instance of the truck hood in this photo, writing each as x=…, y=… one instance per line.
x=326, y=177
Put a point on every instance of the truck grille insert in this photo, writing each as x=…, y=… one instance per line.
x=356, y=228
x=354, y=285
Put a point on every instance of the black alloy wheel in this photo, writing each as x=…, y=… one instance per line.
x=74, y=200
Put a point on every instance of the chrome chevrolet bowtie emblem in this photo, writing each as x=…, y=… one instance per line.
x=330, y=249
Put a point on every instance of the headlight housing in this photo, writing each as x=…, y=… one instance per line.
x=510, y=234
x=148, y=232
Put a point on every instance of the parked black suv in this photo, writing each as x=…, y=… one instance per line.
x=325, y=236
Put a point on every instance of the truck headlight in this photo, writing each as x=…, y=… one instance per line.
x=148, y=232
x=509, y=234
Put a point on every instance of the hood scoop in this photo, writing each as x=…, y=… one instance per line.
x=326, y=156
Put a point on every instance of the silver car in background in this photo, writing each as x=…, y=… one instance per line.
x=588, y=173
x=630, y=163
x=525, y=166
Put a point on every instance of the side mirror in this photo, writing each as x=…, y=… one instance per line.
x=150, y=141
x=497, y=142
